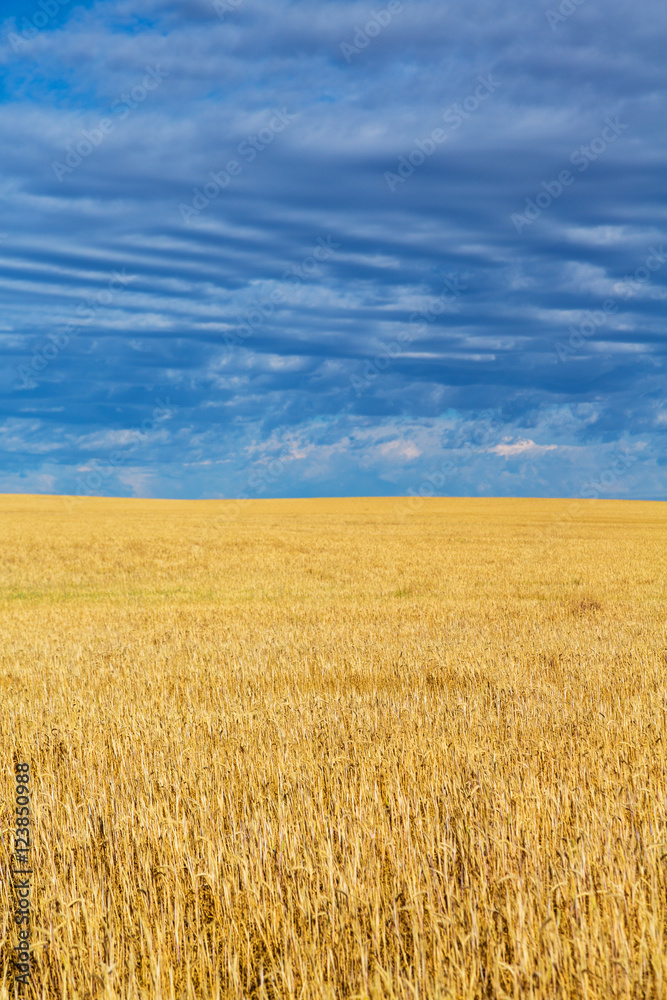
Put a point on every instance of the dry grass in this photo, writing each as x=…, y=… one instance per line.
x=321, y=749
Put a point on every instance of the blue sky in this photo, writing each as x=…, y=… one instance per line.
x=270, y=248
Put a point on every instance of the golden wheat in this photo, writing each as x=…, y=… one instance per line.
x=337, y=748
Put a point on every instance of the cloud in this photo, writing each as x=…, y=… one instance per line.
x=524, y=446
x=399, y=450
x=255, y=340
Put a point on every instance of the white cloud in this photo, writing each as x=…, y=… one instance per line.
x=399, y=449
x=522, y=446
x=137, y=480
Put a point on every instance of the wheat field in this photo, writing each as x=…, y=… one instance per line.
x=337, y=748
